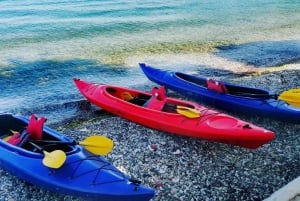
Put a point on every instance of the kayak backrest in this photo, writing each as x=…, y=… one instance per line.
x=35, y=127
x=217, y=86
x=158, y=99
x=159, y=93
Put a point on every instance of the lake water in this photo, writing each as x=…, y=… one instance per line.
x=44, y=44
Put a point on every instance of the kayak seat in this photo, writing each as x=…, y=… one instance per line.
x=137, y=101
x=217, y=86
x=157, y=101
x=154, y=103
x=141, y=99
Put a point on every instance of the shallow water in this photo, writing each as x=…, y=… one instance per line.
x=44, y=44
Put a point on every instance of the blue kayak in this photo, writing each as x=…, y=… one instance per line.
x=82, y=174
x=227, y=96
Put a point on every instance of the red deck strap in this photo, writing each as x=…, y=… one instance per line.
x=217, y=86
x=35, y=127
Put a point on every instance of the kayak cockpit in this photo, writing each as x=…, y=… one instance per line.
x=14, y=131
x=222, y=87
x=48, y=146
x=157, y=100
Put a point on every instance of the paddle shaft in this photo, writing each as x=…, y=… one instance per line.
x=254, y=95
x=56, y=142
x=98, y=145
x=36, y=146
x=54, y=159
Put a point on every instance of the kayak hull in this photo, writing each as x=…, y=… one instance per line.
x=159, y=113
x=82, y=175
x=245, y=100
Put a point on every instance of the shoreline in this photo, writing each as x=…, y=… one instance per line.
x=182, y=168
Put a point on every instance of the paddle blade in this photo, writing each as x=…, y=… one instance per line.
x=97, y=144
x=291, y=96
x=54, y=159
x=126, y=96
x=188, y=112
x=6, y=138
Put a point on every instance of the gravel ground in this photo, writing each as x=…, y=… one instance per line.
x=186, y=169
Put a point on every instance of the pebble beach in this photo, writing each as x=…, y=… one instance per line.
x=182, y=168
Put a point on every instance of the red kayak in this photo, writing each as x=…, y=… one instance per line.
x=157, y=111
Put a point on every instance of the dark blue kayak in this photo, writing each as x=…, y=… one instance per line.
x=224, y=95
x=82, y=174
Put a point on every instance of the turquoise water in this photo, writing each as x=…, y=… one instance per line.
x=44, y=44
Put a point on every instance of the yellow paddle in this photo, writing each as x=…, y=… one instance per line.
x=96, y=144
x=126, y=96
x=6, y=138
x=188, y=112
x=291, y=96
x=54, y=159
